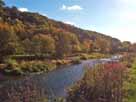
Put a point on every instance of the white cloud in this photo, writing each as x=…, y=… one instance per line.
x=71, y=8
x=69, y=22
x=44, y=14
x=23, y=9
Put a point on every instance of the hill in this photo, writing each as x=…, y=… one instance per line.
x=32, y=33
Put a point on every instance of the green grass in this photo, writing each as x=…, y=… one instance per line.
x=93, y=56
x=25, y=67
x=25, y=64
x=130, y=84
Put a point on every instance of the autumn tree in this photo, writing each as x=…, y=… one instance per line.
x=87, y=45
x=126, y=45
x=75, y=44
x=9, y=41
x=43, y=43
x=101, y=45
x=62, y=45
x=133, y=47
x=115, y=45
x=28, y=48
x=66, y=43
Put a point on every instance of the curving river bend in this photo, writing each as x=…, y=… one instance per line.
x=57, y=81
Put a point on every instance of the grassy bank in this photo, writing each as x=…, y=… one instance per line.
x=130, y=84
x=93, y=56
x=23, y=65
x=14, y=68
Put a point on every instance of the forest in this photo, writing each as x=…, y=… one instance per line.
x=22, y=32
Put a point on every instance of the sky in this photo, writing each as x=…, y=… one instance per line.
x=116, y=18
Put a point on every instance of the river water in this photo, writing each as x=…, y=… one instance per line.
x=56, y=82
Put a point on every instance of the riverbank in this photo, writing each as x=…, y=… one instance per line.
x=130, y=83
x=56, y=82
x=14, y=67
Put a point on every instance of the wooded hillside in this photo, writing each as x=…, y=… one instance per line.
x=32, y=33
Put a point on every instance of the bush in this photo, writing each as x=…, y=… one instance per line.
x=84, y=56
x=76, y=61
x=130, y=84
x=26, y=91
x=104, y=83
x=12, y=68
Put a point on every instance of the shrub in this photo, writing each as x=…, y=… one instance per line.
x=104, y=83
x=26, y=91
x=84, y=57
x=76, y=61
x=12, y=68
x=130, y=84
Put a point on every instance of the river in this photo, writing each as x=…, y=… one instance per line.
x=57, y=81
